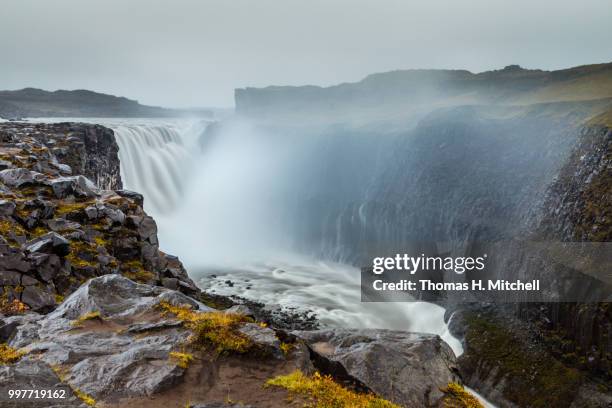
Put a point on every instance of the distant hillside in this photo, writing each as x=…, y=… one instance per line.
x=399, y=92
x=32, y=102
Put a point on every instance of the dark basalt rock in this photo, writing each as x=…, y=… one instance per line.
x=51, y=242
x=406, y=368
x=57, y=184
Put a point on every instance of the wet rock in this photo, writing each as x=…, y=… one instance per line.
x=51, y=242
x=264, y=337
x=115, y=295
x=7, y=208
x=4, y=164
x=75, y=185
x=240, y=309
x=406, y=368
x=14, y=261
x=132, y=195
x=37, y=298
x=20, y=177
x=30, y=373
x=61, y=225
x=107, y=361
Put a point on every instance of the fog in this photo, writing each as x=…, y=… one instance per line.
x=194, y=53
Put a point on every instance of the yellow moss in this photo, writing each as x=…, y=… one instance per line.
x=457, y=397
x=38, y=231
x=64, y=208
x=183, y=359
x=286, y=347
x=9, y=355
x=59, y=298
x=216, y=329
x=324, y=392
x=135, y=271
x=263, y=325
x=6, y=227
x=100, y=240
x=86, y=317
x=12, y=307
x=86, y=398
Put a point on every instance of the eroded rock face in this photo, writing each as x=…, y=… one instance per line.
x=61, y=225
x=406, y=368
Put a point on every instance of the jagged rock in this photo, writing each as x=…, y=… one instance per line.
x=74, y=185
x=132, y=195
x=19, y=177
x=115, y=295
x=10, y=278
x=7, y=208
x=5, y=165
x=106, y=360
x=51, y=242
x=263, y=336
x=37, y=298
x=406, y=368
x=240, y=309
x=60, y=225
x=14, y=261
x=30, y=373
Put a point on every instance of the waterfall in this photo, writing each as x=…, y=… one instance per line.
x=156, y=159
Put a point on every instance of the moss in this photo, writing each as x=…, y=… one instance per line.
x=9, y=355
x=64, y=207
x=87, y=316
x=10, y=229
x=455, y=396
x=286, y=348
x=324, y=392
x=213, y=329
x=532, y=377
x=82, y=254
x=135, y=271
x=86, y=398
x=11, y=307
x=183, y=359
x=59, y=298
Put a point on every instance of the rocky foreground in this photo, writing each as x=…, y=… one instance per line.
x=92, y=312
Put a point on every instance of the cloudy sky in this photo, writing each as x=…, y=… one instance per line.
x=195, y=52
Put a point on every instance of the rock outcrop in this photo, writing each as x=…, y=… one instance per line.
x=409, y=369
x=60, y=222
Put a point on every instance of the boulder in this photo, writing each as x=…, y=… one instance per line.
x=132, y=195
x=51, y=242
x=7, y=208
x=74, y=185
x=20, y=177
x=31, y=373
x=406, y=368
x=128, y=352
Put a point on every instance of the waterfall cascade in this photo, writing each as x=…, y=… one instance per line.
x=155, y=160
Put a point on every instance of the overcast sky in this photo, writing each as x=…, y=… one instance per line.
x=195, y=52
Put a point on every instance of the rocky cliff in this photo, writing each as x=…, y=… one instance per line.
x=515, y=353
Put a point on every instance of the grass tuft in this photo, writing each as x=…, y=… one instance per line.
x=213, y=329
x=457, y=397
x=183, y=359
x=9, y=355
x=324, y=392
